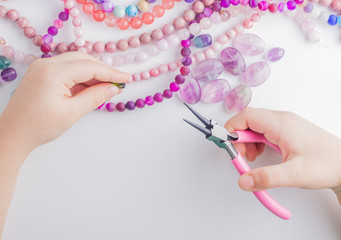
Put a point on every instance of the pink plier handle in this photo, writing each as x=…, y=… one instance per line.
x=242, y=167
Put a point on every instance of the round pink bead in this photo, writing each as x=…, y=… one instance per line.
x=255, y=17
x=88, y=46
x=22, y=22
x=129, y=58
x=215, y=17
x=99, y=47
x=189, y=15
x=58, y=24
x=74, y=12
x=208, y=2
x=53, y=46
x=168, y=29
x=134, y=42
x=183, y=34
x=179, y=23
x=200, y=56
x=145, y=38
x=19, y=56
x=110, y=47
x=326, y=2
x=223, y=39
x=77, y=21
x=29, y=59
x=38, y=40
x=172, y=66
x=154, y=72
x=137, y=77
x=110, y=20
x=163, y=68
x=173, y=40
x=73, y=47
x=69, y=4
x=224, y=15
x=3, y=11
x=78, y=31
x=231, y=33
x=198, y=7
x=30, y=32
x=239, y=28
x=12, y=15
x=336, y=5
x=107, y=60
x=145, y=75
x=157, y=34
x=163, y=44
x=122, y=45
x=209, y=53
x=8, y=51
x=216, y=46
x=62, y=47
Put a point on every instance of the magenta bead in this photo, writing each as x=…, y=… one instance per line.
x=53, y=31
x=46, y=55
x=140, y=103
x=130, y=105
x=235, y=2
x=174, y=87
x=185, y=52
x=45, y=48
x=263, y=5
x=179, y=79
x=167, y=93
x=225, y=3
x=158, y=97
x=120, y=107
x=110, y=106
x=63, y=16
x=186, y=43
x=291, y=5
x=149, y=100
x=184, y=71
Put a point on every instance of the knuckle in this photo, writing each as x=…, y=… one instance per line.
x=265, y=178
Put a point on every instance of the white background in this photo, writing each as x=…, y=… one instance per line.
x=147, y=175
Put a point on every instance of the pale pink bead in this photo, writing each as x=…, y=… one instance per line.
x=336, y=5
x=145, y=38
x=172, y=66
x=244, y=2
x=183, y=34
x=255, y=17
x=326, y=2
x=80, y=42
x=142, y=56
x=136, y=77
x=157, y=34
x=216, y=46
x=122, y=45
x=301, y=17
x=209, y=53
x=223, y=39
x=239, y=28
x=38, y=40
x=130, y=79
x=154, y=72
x=82, y=49
x=53, y=46
x=234, y=12
x=19, y=56
x=129, y=58
x=22, y=22
x=73, y=47
x=189, y=15
x=179, y=63
x=78, y=31
x=163, y=45
x=77, y=21
x=231, y=33
x=168, y=29
x=134, y=42
x=163, y=68
x=107, y=60
x=118, y=61
x=12, y=15
x=110, y=47
x=145, y=75
x=308, y=26
x=74, y=12
x=29, y=59
x=58, y=23
x=208, y=2
x=314, y=36
x=195, y=28
x=215, y=17
x=179, y=23
x=110, y=20
x=152, y=50
x=3, y=11
x=30, y=32
x=99, y=47
x=69, y=4
x=205, y=23
x=225, y=16
x=88, y=46
x=248, y=23
x=173, y=40
x=198, y=7
x=200, y=56
x=62, y=47
x=8, y=51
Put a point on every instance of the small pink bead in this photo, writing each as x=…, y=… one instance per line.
x=38, y=40
x=134, y=42
x=78, y=31
x=69, y=4
x=58, y=24
x=168, y=29
x=73, y=47
x=179, y=23
x=172, y=66
x=74, y=12
x=62, y=47
x=53, y=46
x=110, y=20
x=157, y=34
x=22, y=22
x=173, y=40
x=163, y=68
x=145, y=38
x=154, y=72
x=3, y=11
x=223, y=39
x=326, y=2
x=231, y=33
x=208, y=2
x=30, y=32
x=12, y=15
x=8, y=51
x=153, y=50
x=118, y=61
x=189, y=15
x=122, y=45
x=163, y=44
x=145, y=75
x=248, y=23
x=225, y=16
x=110, y=47
x=80, y=42
x=99, y=47
x=76, y=21
x=209, y=53
x=239, y=28
x=308, y=26
x=129, y=58
x=88, y=46
x=198, y=7
x=29, y=59
x=255, y=17
x=19, y=56
x=137, y=77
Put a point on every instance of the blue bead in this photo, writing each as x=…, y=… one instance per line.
x=338, y=21
x=203, y=40
x=119, y=11
x=332, y=20
x=132, y=10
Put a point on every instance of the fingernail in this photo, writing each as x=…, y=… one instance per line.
x=112, y=91
x=246, y=182
x=119, y=85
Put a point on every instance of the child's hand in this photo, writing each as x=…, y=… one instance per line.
x=311, y=156
x=54, y=94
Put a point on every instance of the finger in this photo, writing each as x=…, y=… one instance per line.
x=251, y=151
x=287, y=174
x=77, y=88
x=85, y=70
x=240, y=148
x=72, y=56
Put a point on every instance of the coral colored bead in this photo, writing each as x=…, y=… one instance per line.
x=110, y=21
x=248, y=23
x=167, y=4
x=99, y=15
x=147, y=18
x=273, y=8
x=22, y=22
x=88, y=8
x=158, y=11
x=122, y=23
x=122, y=45
x=134, y=42
x=145, y=38
x=81, y=1
x=38, y=40
x=136, y=22
x=154, y=72
x=157, y=34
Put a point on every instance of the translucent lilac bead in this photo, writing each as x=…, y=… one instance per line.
x=249, y=44
x=190, y=90
x=238, y=98
x=275, y=54
x=9, y=74
x=233, y=61
x=256, y=74
x=215, y=91
x=207, y=70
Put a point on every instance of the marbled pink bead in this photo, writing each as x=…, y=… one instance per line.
x=233, y=61
x=145, y=38
x=154, y=72
x=179, y=23
x=209, y=53
x=38, y=40
x=134, y=42
x=168, y=29
x=200, y=56
x=238, y=98
x=137, y=77
x=215, y=17
x=225, y=16
x=207, y=70
x=190, y=90
x=145, y=75
x=256, y=74
x=110, y=21
x=8, y=51
x=99, y=47
x=152, y=50
x=74, y=12
x=30, y=32
x=58, y=24
x=80, y=42
x=231, y=33
x=172, y=66
x=129, y=58
x=122, y=45
x=62, y=47
x=157, y=34
x=73, y=47
x=173, y=40
x=189, y=15
x=249, y=44
x=239, y=28
x=19, y=56
x=13, y=15
x=78, y=31
x=88, y=46
x=163, y=68
x=3, y=11
x=110, y=47
x=308, y=26
x=23, y=22
x=215, y=91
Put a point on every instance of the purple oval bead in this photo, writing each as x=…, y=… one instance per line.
x=52, y=30
x=256, y=74
x=130, y=105
x=120, y=106
x=225, y=3
x=158, y=97
x=140, y=103
x=9, y=74
x=190, y=91
x=233, y=61
x=110, y=106
x=153, y=1
x=167, y=93
x=238, y=98
x=249, y=44
x=203, y=40
x=275, y=54
x=215, y=91
x=207, y=70
x=149, y=100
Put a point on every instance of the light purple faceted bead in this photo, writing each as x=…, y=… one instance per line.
x=256, y=74
x=190, y=90
x=275, y=54
x=249, y=44
x=233, y=61
x=207, y=70
x=215, y=91
x=238, y=98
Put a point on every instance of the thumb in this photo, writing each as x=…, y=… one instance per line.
x=92, y=97
x=280, y=175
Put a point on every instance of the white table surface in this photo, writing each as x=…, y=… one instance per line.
x=147, y=175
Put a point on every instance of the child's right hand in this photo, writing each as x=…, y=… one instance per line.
x=311, y=155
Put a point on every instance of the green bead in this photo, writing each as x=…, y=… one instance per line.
x=4, y=62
